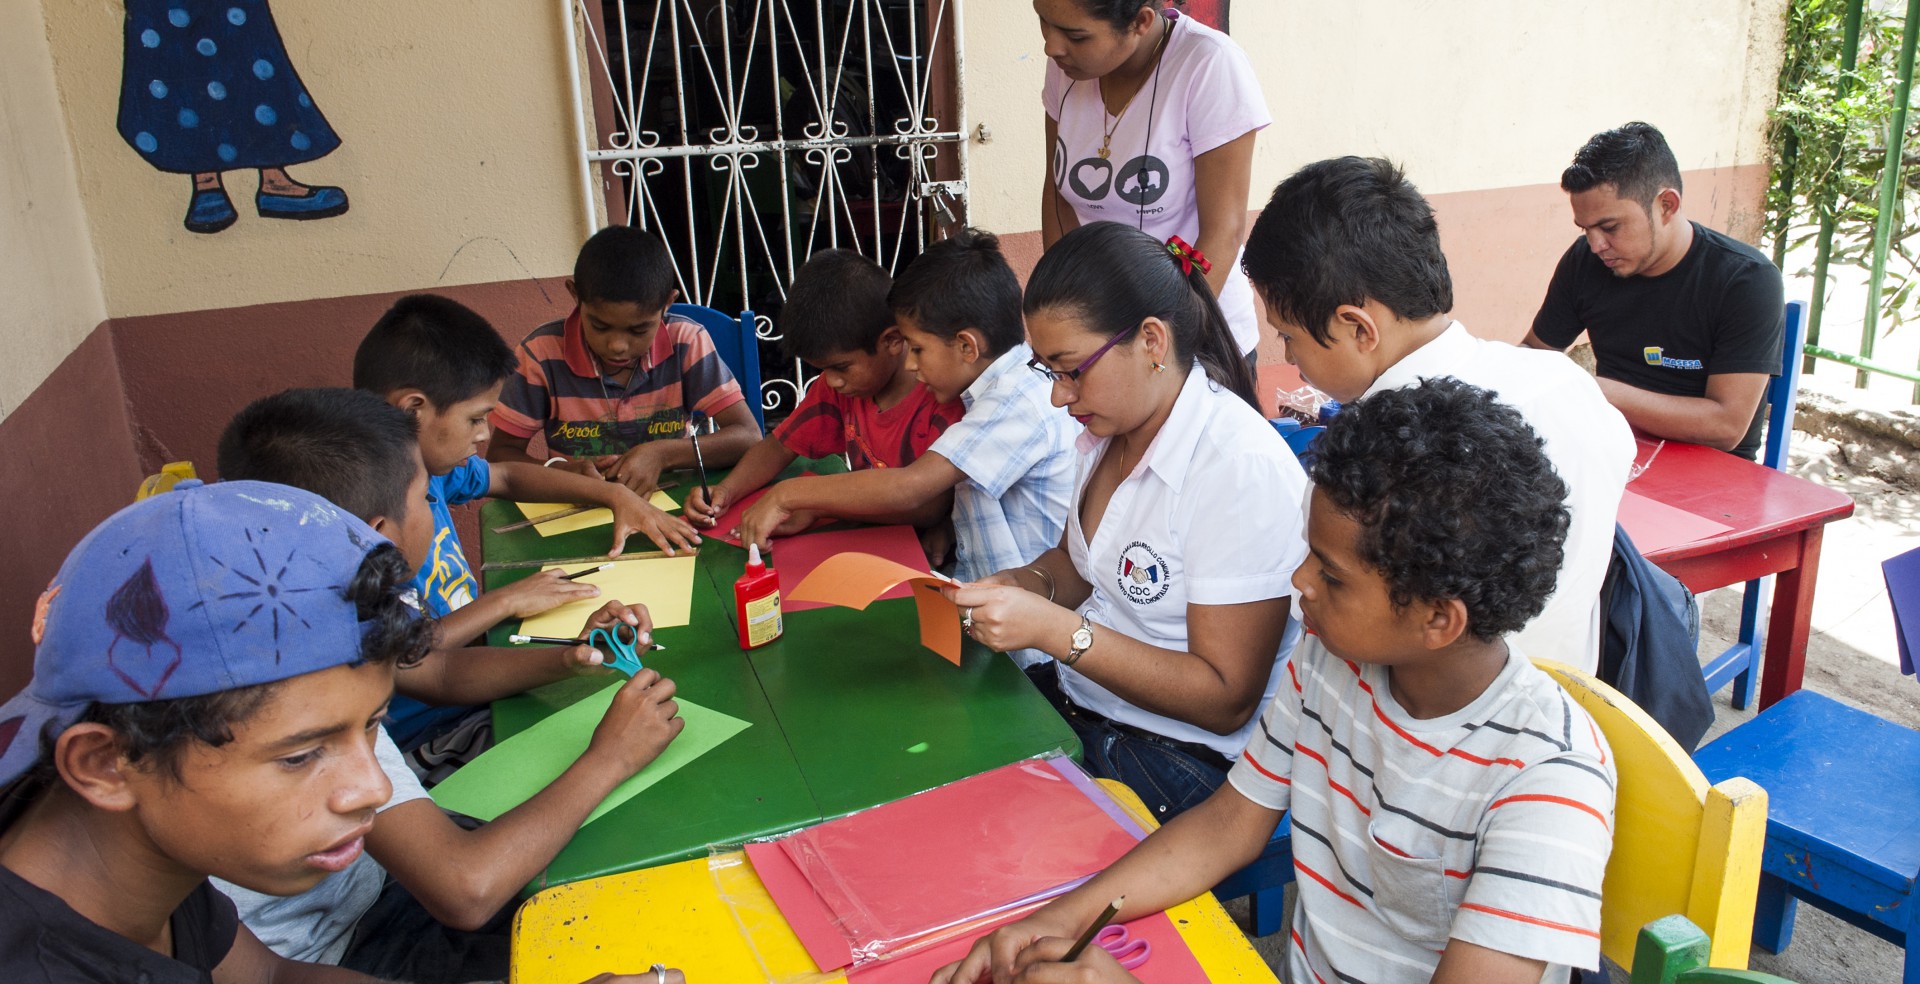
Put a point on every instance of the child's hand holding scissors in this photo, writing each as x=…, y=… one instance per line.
x=612, y=614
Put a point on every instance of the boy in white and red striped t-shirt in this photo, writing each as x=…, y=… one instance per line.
x=1452, y=806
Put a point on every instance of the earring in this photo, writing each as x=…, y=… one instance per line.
x=1157, y=367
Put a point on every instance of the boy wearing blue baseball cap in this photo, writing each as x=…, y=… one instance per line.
x=211, y=670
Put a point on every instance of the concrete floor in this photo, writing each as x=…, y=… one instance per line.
x=1851, y=655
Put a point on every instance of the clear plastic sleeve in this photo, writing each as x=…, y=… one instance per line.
x=891, y=884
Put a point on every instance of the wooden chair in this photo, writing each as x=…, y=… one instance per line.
x=738, y=346
x=1673, y=950
x=1843, y=832
x=1737, y=664
x=1679, y=844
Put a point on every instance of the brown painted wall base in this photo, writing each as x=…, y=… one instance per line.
x=70, y=463
x=187, y=374
x=144, y=391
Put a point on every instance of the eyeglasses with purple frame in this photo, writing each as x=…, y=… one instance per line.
x=1073, y=375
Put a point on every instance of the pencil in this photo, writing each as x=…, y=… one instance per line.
x=577, y=575
x=1113, y=909
x=700, y=460
x=521, y=640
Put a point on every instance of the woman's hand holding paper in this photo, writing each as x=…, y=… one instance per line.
x=1002, y=616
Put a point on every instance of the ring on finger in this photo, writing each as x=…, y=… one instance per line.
x=966, y=620
x=659, y=973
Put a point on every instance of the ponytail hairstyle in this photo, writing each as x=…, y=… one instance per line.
x=1118, y=13
x=1116, y=276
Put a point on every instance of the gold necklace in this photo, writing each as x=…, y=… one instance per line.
x=1106, y=138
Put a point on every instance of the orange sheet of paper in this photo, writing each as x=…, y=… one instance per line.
x=854, y=580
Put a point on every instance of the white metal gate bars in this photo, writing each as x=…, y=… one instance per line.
x=853, y=106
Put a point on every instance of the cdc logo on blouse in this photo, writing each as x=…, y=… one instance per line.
x=1142, y=575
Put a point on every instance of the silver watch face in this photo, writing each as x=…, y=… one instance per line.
x=1082, y=637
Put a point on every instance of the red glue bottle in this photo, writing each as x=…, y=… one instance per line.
x=756, y=600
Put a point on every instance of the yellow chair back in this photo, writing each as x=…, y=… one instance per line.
x=171, y=474
x=1679, y=844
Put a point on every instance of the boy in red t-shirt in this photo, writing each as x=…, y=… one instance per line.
x=865, y=404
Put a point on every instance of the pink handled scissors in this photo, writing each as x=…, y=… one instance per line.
x=1129, y=951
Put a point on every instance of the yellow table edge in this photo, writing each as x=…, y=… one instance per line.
x=674, y=915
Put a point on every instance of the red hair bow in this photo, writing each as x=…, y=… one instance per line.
x=1188, y=256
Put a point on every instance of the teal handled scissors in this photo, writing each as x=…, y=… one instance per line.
x=621, y=645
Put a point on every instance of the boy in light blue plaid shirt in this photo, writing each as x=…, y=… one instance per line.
x=1007, y=463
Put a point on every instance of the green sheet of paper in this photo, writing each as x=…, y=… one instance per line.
x=511, y=772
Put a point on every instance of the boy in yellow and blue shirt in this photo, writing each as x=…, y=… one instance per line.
x=444, y=364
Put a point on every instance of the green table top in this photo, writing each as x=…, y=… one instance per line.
x=848, y=712
x=871, y=715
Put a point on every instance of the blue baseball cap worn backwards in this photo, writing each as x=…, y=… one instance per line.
x=198, y=590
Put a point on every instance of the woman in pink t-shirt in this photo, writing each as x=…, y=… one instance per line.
x=1151, y=119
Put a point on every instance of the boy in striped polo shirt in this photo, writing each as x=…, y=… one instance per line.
x=614, y=386
x=1452, y=806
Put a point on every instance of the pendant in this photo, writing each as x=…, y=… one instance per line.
x=1103, y=152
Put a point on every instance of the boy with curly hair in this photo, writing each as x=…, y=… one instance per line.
x=1452, y=806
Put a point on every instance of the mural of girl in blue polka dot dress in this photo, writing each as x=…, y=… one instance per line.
x=207, y=87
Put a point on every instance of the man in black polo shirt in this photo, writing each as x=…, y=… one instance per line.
x=1686, y=322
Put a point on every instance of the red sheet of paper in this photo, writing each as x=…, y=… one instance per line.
x=855, y=580
x=1655, y=525
x=874, y=880
x=1169, y=962
x=796, y=556
x=723, y=528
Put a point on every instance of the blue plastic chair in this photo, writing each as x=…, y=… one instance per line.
x=1267, y=877
x=1736, y=665
x=1843, y=817
x=739, y=348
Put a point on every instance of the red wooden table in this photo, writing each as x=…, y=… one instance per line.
x=1774, y=522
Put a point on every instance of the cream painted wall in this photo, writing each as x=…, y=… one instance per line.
x=457, y=158
x=50, y=296
x=1469, y=96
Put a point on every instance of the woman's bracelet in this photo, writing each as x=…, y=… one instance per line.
x=550, y=461
x=1044, y=576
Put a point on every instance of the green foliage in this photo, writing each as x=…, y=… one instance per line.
x=1828, y=132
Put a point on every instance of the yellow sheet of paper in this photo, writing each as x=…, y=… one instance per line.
x=586, y=520
x=664, y=585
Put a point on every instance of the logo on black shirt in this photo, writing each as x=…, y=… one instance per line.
x=1655, y=357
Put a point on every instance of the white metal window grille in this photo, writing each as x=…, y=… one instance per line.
x=751, y=133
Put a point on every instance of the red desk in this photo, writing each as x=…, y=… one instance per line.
x=1776, y=522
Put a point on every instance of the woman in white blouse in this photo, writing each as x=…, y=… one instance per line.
x=1166, y=606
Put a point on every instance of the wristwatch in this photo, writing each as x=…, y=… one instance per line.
x=1081, y=642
